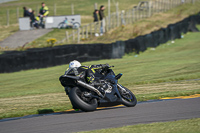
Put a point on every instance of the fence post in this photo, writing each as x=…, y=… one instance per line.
x=37, y=9
x=99, y=25
x=82, y=33
x=113, y=21
x=90, y=29
x=163, y=4
x=117, y=13
x=132, y=15
x=167, y=3
x=73, y=35
x=86, y=28
x=135, y=14
x=54, y=9
x=170, y=4
x=151, y=6
x=8, y=17
x=67, y=36
x=95, y=6
x=121, y=16
x=125, y=17
x=72, y=7
x=78, y=35
x=139, y=14
x=160, y=5
x=17, y=13
x=157, y=3
x=106, y=24
x=95, y=27
x=142, y=13
x=108, y=14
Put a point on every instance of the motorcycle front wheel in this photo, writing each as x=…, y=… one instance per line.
x=76, y=25
x=128, y=98
x=79, y=101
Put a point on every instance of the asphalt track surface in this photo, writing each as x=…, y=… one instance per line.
x=4, y=1
x=144, y=112
x=21, y=38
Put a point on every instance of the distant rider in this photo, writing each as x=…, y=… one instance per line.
x=44, y=11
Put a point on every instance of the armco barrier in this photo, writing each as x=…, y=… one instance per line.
x=45, y=57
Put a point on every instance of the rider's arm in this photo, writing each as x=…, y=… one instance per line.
x=99, y=66
x=46, y=11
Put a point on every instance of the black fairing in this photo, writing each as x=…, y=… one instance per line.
x=113, y=98
x=67, y=80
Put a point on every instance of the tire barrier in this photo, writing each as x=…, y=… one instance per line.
x=12, y=61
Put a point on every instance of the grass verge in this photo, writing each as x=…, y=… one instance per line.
x=181, y=126
x=148, y=75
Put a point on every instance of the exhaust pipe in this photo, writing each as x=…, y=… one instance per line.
x=81, y=83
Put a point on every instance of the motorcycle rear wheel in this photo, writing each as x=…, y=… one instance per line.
x=128, y=98
x=61, y=25
x=78, y=101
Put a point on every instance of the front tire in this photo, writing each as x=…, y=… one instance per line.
x=80, y=102
x=76, y=25
x=128, y=98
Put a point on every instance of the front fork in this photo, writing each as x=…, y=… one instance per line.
x=121, y=89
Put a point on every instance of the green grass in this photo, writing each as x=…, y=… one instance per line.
x=148, y=75
x=181, y=126
x=6, y=31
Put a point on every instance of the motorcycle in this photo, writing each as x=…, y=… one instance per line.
x=86, y=97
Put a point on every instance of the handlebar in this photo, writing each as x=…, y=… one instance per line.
x=105, y=68
x=111, y=66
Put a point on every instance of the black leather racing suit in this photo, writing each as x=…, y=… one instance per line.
x=87, y=71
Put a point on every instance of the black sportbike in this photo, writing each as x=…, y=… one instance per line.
x=88, y=97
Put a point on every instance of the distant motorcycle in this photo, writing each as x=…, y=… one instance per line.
x=87, y=97
x=69, y=24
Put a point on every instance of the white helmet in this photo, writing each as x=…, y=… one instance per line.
x=74, y=63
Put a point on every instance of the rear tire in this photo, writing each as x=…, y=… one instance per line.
x=128, y=98
x=60, y=25
x=79, y=102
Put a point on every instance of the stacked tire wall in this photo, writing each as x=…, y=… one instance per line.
x=45, y=57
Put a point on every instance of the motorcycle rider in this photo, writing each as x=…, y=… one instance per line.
x=89, y=73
